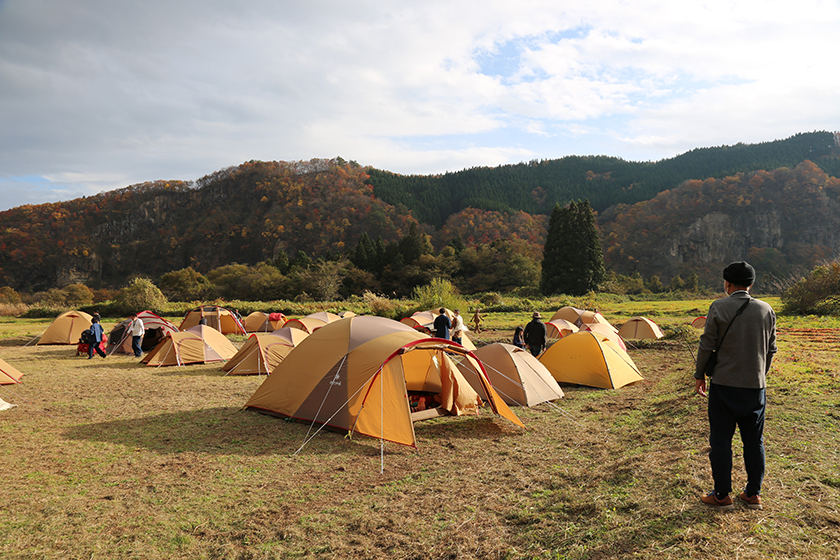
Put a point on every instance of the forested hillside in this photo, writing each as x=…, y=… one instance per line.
x=673, y=217
x=783, y=221
x=535, y=187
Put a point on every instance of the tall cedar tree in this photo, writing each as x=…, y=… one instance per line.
x=573, y=262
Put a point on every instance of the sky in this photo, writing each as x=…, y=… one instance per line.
x=97, y=95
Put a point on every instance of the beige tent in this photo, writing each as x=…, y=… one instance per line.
x=424, y=321
x=699, y=322
x=263, y=352
x=219, y=318
x=361, y=374
x=263, y=322
x=8, y=374
x=558, y=328
x=198, y=345
x=67, y=328
x=156, y=327
x=639, y=328
x=606, y=330
x=588, y=358
x=313, y=321
x=518, y=377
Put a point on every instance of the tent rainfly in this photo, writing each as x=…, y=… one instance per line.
x=558, y=328
x=197, y=345
x=699, y=322
x=313, y=321
x=219, y=318
x=588, y=358
x=607, y=331
x=639, y=328
x=516, y=375
x=263, y=322
x=8, y=374
x=119, y=339
x=361, y=374
x=67, y=328
x=263, y=352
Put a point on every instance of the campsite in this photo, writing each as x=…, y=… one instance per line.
x=111, y=458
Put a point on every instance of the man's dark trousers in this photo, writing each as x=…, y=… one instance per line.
x=728, y=407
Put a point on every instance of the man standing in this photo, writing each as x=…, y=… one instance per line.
x=137, y=331
x=442, y=325
x=741, y=332
x=457, y=327
x=534, y=334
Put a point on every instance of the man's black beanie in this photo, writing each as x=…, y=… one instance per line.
x=740, y=273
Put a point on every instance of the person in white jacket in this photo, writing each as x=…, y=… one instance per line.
x=137, y=332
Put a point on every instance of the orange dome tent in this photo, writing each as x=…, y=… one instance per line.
x=359, y=374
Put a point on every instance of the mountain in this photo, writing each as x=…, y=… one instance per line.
x=259, y=210
x=535, y=187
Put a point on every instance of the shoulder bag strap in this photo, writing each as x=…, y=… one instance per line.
x=740, y=309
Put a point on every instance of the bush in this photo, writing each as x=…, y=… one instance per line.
x=9, y=295
x=438, y=293
x=804, y=296
x=140, y=294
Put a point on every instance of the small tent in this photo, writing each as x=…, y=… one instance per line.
x=263, y=322
x=263, y=352
x=518, y=377
x=699, y=322
x=67, y=328
x=606, y=330
x=8, y=374
x=588, y=358
x=156, y=327
x=313, y=321
x=558, y=328
x=197, y=345
x=639, y=328
x=360, y=374
x=424, y=321
x=219, y=318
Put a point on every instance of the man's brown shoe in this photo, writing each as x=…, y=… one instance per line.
x=711, y=500
x=752, y=502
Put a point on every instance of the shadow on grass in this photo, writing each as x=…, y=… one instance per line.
x=236, y=431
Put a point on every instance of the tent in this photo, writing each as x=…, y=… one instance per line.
x=313, y=321
x=588, y=358
x=263, y=322
x=424, y=321
x=579, y=316
x=639, y=328
x=699, y=322
x=119, y=339
x=8, y=374
x=263, y=352
x=219, y=318
x=558, y=328
x=67, y=328
x=607, y=331
x=197, y=345
x=518, y=377
x=361, y=374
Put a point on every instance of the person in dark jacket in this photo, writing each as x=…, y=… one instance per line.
x=534, y=334
x=96, y=335
x=442, y=325
x=741, y=332
x=518, y=340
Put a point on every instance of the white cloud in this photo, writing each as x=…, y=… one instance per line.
x=98, y=94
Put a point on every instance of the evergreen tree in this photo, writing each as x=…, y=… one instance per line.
x=414, y=244
x=573, y=262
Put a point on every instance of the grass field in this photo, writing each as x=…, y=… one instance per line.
x=105, y=459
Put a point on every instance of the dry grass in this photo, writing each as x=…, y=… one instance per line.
x=108, y=459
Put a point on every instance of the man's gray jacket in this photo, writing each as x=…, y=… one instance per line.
x=747, y=351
